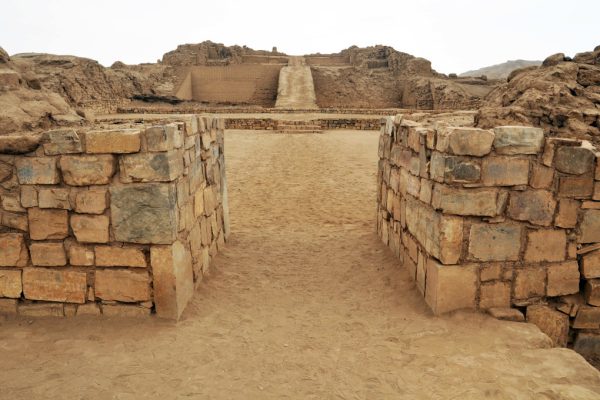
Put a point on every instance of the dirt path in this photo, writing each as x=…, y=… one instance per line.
x=305, y=303
x=296, y=88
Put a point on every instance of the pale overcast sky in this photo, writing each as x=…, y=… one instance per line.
x=455, y=35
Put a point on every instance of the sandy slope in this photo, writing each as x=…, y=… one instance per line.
x=305, y=303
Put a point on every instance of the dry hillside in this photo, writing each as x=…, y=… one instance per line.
x=501, y=71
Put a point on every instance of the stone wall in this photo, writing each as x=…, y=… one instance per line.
x=119, y=221
x=505, y=220
x=325, y=124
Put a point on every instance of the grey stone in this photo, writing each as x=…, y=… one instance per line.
x=61, y=141
x=459, y=169
x=144, y=213
x=518, y=140
x=574, y=160
x=535, y=206
x=151, y=167
x=498, y=242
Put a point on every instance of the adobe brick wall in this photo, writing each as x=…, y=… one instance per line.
x=495, y=219
x=117, y=222
x=325, y=124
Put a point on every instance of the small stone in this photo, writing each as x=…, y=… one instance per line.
x=87, y=170
x=163, y=138
x=122, y=285
x=47, y=224
x=112, y=141
x=535, y=206
x=13, y=250
x=151, y=167
x=505, y=171
x=592, y=291
x=576, y=186
x=496, y=294
x=115, y=256
x=15, y=221
x=567, y=213
x=54, y=285
x=542, y=177
x=48, y=254
x=506, y=314
x=546, y=245
x=450, y=287
x=497, y=242
x=490, y=272
x=587, y=318
x=11, y=202
x=54, y=198
x=29, y=196
x=37, y=170
x=61, y=141
x=530, y=283
x=81, y=255
x=476, y=202
x=466, y=141
x=93, y=201
x=590, y=227
x=90, y=229
x=512, y=140
x=551, y=322
x=210, y=200
x=563, y=278
x=574, y=160
x=10, y=283
x=459, y=169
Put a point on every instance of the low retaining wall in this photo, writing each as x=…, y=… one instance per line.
x=495, y=219
x=325, y=124
x=117, y=222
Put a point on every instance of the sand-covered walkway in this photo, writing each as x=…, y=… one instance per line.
x=304, y=303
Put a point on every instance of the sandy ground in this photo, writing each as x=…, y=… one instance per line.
x=304, y=303
x=296, y=89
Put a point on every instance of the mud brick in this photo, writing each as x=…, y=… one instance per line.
x=546, y=245
x=122, y=285
x=574, y=160
x=90, y=228
x=87, y=169
x=529, y=283
x=542, y=177
x=13, y=250
x=563, y=278
x=495, y=294
x=553, y=323
x=54, y=285
x=112, y=141
x=11, y=284
x=117, y=256
x=54, y=198
x=48, y=254
x=37, y=170
x=567, y=213
x=497, y=242
x=450, y=287
x=476, y=202
x=535, y=206
x=518, y=140
x=505, y=171
x=47, y=224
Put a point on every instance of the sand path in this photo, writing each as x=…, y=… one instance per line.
x=296, y=89
x=304, y=303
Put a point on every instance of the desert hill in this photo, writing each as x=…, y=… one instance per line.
x=501, y=71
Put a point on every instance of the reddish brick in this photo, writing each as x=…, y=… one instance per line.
x=48, y=224
x=54, y=285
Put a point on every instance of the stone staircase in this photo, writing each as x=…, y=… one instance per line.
x=298, y=127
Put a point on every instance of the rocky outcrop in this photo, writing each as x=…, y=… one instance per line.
x=562, y=96
x=501, y=71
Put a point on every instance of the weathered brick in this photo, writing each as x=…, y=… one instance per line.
x=530, y=283
x=116, y=256
x=54, y=285
x=10, y=283
x=47, y=224
x=173, y=279
x=592, y=291
x=590, y=227
x=465, y=141
x=144, y=213
x=112, y=141
x=567, y=213
x=54, y=198
x=461, y=169
x=576, y=186
x=546, y=245
x=81, y=255
x=151, y=167
x=87, y=170
x=41, y=310
x=8, y=306
x=12, y=202
x=563, y=278
x=450, y=287
x=497, y=242
x=61, y=141
x=124, y=311
x=518, y=140
x=13, y=250
x=92, y=201
x=90, y=228
x=163, y=138
x=88, y=309
x=574, y=160
x=535, y=206
x=477, y=202
x=495, y=294
x=15, y=221
x=421, y=273
x=490, y=272
x=553, y=323
x=210, y=200
x=590, y=265
x=48, y=254
x=29, y=196
x=122, y=285
x=542, y=177
x=504, y=171
x=426, y=191
x=37, y=170
x=587, y=318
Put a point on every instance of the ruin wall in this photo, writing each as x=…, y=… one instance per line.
x=327, y=61
x=495, y=219
x=120, y=221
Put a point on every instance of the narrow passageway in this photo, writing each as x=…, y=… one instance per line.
x=304, y=303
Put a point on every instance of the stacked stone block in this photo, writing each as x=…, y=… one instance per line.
x=123, y=221
x=494, y=219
